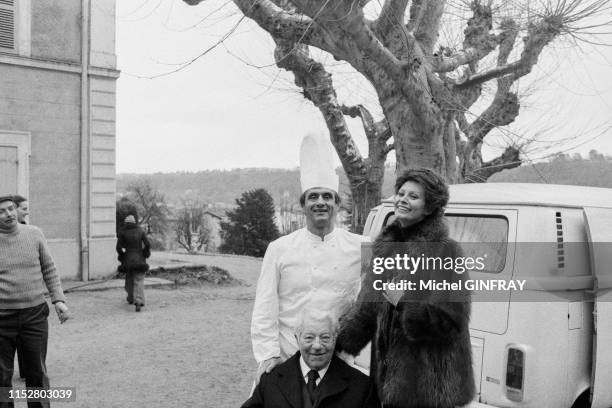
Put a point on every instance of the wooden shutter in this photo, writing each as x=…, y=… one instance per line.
x=7, y=24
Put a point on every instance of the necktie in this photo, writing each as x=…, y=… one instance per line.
x=312, y=384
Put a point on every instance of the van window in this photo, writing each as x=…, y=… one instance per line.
x=488, y=233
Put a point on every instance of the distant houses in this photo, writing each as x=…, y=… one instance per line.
x=214, y=219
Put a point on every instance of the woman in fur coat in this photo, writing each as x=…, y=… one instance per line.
x=421, y=352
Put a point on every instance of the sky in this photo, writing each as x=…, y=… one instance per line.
x=232, y=108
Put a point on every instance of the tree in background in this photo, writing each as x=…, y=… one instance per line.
x=192, y=229
x=124, y=207
x=151, y=205
x=250, y=227
x=148, y=205
x=290, y=213
x=446, y=74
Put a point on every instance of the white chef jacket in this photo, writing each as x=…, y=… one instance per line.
x=296, y=269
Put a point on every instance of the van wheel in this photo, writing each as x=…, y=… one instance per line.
x=583, y=400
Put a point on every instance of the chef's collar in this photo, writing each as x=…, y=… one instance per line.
x=317, y=238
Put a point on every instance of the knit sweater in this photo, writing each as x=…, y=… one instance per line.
x=26, y=267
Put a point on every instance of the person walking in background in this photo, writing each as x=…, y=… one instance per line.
x=421, y=339
x=133, y=248
x=26, y=270
x=23, y=209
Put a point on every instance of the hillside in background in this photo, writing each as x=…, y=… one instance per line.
x=222, y=187
x=218, y=186
x=595, y=171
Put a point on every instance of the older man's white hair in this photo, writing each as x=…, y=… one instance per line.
x=315, y=313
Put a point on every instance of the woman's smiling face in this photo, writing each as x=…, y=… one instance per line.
x=410, y=206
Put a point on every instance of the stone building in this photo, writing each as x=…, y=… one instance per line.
x=57, y=125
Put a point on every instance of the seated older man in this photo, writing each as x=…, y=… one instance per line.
x=314, y=377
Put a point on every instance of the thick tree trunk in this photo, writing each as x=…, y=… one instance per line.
x=366, y=196
x=418, y=139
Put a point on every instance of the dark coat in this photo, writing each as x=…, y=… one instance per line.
x=421, y=347
x=133, y=248
x=341, y=387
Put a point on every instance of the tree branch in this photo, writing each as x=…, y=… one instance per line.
x=440, y=63
x=282, y=23
x=479, y=41
x=502, y=111
x=371, y=46
x=477, y=34
x=317, y=85
x=415, y=11
x=539, y=35
x=427, y=24
x=509, y=159
x=383, y=130
x=392, y=14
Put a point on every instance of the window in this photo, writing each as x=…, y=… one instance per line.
x=14, y=158
x=481, y=235
x=478, y=235
x=15, y=27
x=7, y=25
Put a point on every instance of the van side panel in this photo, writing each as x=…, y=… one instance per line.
x=599, y=224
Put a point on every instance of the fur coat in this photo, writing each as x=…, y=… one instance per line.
x=421, y=350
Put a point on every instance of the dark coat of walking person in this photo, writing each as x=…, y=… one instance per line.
x=133, y=248
x=27, y=272
x=420, y=339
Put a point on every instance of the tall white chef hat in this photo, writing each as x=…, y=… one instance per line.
x=316, y=164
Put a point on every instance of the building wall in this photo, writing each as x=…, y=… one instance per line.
x=103, y=186
x=48, y=109
x=56, y=30
x=41, y=102
x=103, y=34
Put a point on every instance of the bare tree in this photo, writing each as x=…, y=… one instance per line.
x=193, y=231
x=151, y=205
x=427, y=89
x=291, y=216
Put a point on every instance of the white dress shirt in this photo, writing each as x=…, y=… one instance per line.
x=306, y=370
x=296, y=269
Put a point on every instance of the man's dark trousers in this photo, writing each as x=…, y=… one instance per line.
x=30, y=327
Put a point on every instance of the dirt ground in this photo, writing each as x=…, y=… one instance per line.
x=189, y=347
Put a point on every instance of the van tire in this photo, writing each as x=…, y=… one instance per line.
x=583, y=400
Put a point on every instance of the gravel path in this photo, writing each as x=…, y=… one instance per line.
x=189, y=347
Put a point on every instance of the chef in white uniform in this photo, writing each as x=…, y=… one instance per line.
x=319, y=263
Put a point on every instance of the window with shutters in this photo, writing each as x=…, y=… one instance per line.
x=8, y=25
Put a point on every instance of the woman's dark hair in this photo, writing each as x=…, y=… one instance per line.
x=434, y=186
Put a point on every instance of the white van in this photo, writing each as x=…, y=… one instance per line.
x=555, y=349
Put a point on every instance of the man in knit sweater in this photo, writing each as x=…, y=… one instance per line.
x=27, y=271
